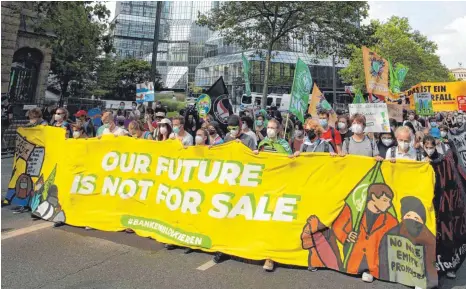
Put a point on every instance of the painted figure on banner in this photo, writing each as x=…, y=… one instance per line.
x=361, y=236
x=322, y=245
x=415, y=258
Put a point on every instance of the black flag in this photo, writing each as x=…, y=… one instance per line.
x=221, y=106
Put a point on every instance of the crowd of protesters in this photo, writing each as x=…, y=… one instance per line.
x=416, y=138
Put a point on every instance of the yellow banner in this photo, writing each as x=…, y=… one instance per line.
x=444, y=94
x=342, y=213
x=376, y=73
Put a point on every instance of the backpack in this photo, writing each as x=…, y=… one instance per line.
x=347, y=141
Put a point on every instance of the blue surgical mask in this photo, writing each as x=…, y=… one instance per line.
x=323, y=122
x=259, y=122
x=433, y=124
x=176, y=129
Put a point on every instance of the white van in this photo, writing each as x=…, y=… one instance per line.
x=281, y=101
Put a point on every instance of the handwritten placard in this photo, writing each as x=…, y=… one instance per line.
x=35, y=161
x=23, y=148
x=376, y=116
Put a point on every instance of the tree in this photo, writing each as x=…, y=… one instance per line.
x=117, y=79
x=395, y=40
x=270, y=25
x=80, y=31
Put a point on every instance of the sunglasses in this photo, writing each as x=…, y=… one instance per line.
x=232, y=128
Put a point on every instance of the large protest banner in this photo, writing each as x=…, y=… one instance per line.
x=376, y=73
x=228, y=199
x=444, y=94
x=377, y=118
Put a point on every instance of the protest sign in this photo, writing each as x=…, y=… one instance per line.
x=35, y=161
x=203, y=105
x=145, y=92
x=319, y=102
x=423, y=104
x=449, y=202
x=444, y=94
x=462, y=102
x=376, y=73
x=302, y=84
x=395, y=111
x=228, y=199
x=377, y=119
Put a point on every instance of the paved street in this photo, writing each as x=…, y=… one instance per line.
x=36, y=255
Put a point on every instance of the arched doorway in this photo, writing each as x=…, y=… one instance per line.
x=24, y=75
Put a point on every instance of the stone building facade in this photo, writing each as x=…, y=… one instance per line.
x=25, y=57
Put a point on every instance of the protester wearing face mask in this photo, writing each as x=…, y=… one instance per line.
x=202, y=137
x=135, y=111
x=430, y=153
x=164, y=129
x=35, y=118
x=460, y=120
x=109, y=126
x=434, y=130
x=298, y=138
x=329, y=133
x=261, y=130
x=235, y=133
x=386, y=141
x=273, y=142
x=246, y=126
x=60, y=117
x=313, y=143
x=412, y=119
x=179, y=133
x=343, y=127
x=214, y=137
x=443, y=133
x=78, y=131
x=359, y=143
x=136, y=130
x=88, y=125
x=403, y=150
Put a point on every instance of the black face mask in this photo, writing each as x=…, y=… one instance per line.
x=311, y=134
x=414, y=228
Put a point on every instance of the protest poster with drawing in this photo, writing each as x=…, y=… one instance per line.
x=377, y=119
x=423, y=104
x=145, y=92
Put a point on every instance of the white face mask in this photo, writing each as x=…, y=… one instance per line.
x=357, y=128
x=58, y=117
x=163, y=130
x=23, y=185
x=199, y=139
x=244, y=126
x=387, y=142
x=429, y=151
x=76, y=134
x=411, y=117
x=443, y=133
x=404, y=146
x=233, y=133
x=271, y=133
x=341, y=125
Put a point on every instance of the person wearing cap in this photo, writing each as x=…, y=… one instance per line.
x=136, y=130
x=413, y=228
x=235, y=133
x=87, y=123
x=163, y=131
x=109, y=126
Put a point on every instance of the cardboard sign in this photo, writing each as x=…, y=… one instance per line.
x=145, y=92
x=395, y=111
x=376, y=116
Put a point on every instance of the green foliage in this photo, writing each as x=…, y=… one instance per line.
x=270, y=26
x=80, y=34
x=173, y=105
x=395, y=40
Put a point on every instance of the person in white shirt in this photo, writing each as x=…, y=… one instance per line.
x=110, y=126
x=246, y=126
x=403, y=150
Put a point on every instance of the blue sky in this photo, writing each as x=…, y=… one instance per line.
x=441, y=21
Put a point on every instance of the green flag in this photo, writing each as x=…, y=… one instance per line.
x=357, y=201
x=397, y=76
x=246, y=68
x=302, y=84
x=358, y=97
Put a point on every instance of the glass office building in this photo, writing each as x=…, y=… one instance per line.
x=181, y=41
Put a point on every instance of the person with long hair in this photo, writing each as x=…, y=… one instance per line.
x=136, y=130
x=164, y=129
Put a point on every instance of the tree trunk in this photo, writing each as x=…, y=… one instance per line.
x=64, y=91
x=266, y=77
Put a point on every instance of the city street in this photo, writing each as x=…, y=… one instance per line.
x=36, y=255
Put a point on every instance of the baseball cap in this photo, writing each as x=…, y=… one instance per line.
x=80, y=113
x=160, y=114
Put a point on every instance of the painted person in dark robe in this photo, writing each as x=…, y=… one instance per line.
x=322, y=245
x=413, y=228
